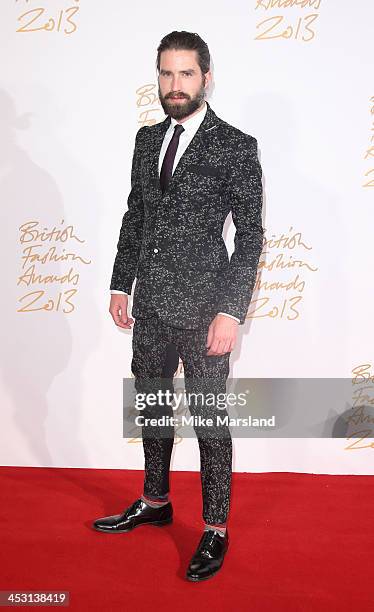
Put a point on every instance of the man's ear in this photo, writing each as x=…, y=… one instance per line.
x=208, y=79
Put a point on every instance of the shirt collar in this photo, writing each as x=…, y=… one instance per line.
x=192, y=124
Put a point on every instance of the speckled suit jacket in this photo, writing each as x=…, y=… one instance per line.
x=172, y=243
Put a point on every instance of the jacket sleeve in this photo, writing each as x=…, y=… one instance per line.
x=245, y=194
x=130, y=236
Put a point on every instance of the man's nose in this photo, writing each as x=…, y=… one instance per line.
x=175, y=83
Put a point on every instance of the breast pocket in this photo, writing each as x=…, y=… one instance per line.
x=206, y=170
x=204, y=181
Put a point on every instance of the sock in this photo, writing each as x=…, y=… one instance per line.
x=155, y=503
x=220, y=527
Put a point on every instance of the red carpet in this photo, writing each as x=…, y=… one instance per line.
x=298, y=542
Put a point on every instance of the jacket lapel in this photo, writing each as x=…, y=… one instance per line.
x=152, y=152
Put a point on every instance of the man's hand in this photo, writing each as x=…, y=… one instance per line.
x=221, y=335
x=118, y=310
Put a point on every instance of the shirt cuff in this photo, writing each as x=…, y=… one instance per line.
x=231, y=316
x=119, y=292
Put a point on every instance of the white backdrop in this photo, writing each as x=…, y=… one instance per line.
x=77, y=81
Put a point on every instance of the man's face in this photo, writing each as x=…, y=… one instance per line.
x=181, y=84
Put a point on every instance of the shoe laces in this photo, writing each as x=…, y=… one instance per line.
x=207, y=540
x=134, y=506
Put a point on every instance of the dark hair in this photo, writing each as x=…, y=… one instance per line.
x=189, y=41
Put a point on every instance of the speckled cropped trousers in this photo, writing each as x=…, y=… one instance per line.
x=151, y=337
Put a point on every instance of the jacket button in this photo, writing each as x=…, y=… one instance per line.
x=155, y=250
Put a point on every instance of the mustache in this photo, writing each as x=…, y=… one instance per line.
x=174, y=95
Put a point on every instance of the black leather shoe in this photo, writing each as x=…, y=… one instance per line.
x=139, y=513
x=209, y=555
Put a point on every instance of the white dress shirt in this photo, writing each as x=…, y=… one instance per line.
x=191, y=126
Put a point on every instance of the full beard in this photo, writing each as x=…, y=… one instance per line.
x=184, y=108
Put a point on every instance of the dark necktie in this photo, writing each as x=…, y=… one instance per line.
x=168, y=161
